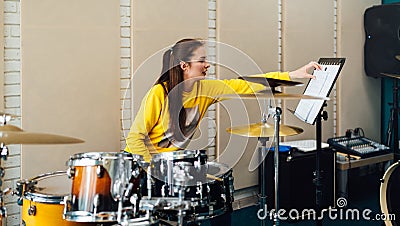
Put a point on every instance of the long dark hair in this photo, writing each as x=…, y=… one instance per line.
x=171, y=77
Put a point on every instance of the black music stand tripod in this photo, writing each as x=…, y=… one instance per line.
x=322, y=115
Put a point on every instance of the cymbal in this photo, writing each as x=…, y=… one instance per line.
x=267, y=94
x=271, y=82
x=397, y=57
x=263, y=130
x=10, y=134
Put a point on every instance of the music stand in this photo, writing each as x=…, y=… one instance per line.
x=311, y=111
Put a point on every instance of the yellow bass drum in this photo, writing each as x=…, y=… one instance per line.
x=43, y=200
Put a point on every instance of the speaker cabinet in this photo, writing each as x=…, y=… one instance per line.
x=296, y=180
x=382, y=40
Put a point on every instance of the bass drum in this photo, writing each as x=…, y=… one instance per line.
x=390, y=195
x=43, y=198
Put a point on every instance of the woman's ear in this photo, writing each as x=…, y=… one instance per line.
x=183, y=65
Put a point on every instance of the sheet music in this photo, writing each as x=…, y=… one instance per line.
x=307, y=110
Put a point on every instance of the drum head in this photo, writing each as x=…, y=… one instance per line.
x=50, y=188
x=98, y=158
x=217, y=169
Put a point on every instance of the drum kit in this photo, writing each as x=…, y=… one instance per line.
x=119, y=188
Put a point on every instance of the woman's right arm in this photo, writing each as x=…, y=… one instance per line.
x=147, y=116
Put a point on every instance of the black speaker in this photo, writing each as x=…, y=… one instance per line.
x=296, y=180
x=382, y=40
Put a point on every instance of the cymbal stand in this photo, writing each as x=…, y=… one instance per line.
x=3, y=210
x=4, y=118
x=276, y=112
x=277, y=119
x=263, y=191
x=393, y=123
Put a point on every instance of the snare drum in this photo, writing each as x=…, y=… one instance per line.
x=43, y=198
x=390, y=195
x=99, y=180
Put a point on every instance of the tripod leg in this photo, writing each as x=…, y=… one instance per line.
x=390, y=128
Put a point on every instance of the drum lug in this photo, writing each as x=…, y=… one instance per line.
x=211, y=210
x=32, y=211
x=199, y=189
x=20, y=201
x=96, y=203
x=136, y=172
x=164, y=190
x=71, y=172
x=99, y=171
x=67, y=204
x=223, y=196
x=382, y=180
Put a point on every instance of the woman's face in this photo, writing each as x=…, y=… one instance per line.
x=198, y=65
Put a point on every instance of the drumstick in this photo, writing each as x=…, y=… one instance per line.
x=348, y=155
x=209, y=176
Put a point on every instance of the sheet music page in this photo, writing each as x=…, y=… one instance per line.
x=307, y=110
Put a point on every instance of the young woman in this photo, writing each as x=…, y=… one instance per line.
x=172, y=109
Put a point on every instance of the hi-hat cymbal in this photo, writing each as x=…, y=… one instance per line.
x=263, y=130
x=271, y=82
x=10, y=134
x=267, y=94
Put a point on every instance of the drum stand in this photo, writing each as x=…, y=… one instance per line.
x=180, y=177
x=3, y=156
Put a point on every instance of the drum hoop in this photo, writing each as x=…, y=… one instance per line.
x=42, y=197
x=181, y=154
x=98, y=158
x=383, y=189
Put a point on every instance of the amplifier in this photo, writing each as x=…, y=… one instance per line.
x=296, y=179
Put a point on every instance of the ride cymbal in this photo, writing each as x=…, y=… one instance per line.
x=10, y=134
x=263, y=130
x=271, y=82
x=267, y=94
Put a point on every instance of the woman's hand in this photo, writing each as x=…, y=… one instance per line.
x=305, y=71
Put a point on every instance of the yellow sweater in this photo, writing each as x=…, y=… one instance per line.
x=149, y=133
